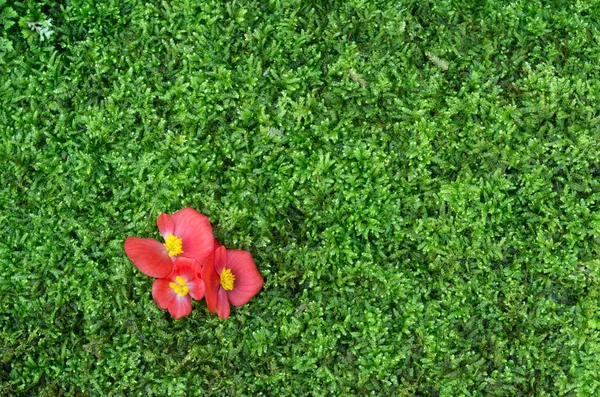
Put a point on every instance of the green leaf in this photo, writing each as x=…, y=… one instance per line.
x=5, y=45
x=7, y=14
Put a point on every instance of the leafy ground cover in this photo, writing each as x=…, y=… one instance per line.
x=418, y=182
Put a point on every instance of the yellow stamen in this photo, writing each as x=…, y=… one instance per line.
x=180, y=287
x=174, y=245
x=227, y=279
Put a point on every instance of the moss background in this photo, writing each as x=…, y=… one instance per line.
x=418, y=182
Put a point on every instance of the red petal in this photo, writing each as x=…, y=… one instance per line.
x=217, y=245
x=223, y=304
x=181, y=306
x=220, y=259
x=248, y=280
x=197, y=289
x=165, y=225
x=193, y=228
x=186, y=268
x=149, y=256
x=163, y=294
x=211, y=283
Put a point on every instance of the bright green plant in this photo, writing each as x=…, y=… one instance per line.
x=7, y=19
x=42, y=29
x=418, y=183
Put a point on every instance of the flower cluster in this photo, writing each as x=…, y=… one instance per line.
x=191, y=264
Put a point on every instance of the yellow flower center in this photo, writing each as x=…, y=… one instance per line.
x=227, y=279
x=179, y=287
x=174, y=245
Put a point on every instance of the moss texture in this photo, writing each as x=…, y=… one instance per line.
x=418, y=182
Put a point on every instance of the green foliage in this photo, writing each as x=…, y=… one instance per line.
x=43, y=29
x=423, y=230
x=7, y=14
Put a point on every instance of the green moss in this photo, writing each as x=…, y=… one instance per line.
x=421, y=230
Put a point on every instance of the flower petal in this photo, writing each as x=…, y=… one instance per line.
x=248, y=280
x=162, y=293
x=193, y=228
x=149, y=256
x=211, y=283
x=165, y=225
x=188, y=269
x=223, y=308
x=220, y=259
x=180, y=307
x=197, y=289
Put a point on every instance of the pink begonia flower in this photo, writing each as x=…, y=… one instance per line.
x=174, y=291
x=187, y=234
x=230, y=276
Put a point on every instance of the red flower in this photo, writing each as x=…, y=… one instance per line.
x=187, y=234
x=174, y=291
x=230, y=277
